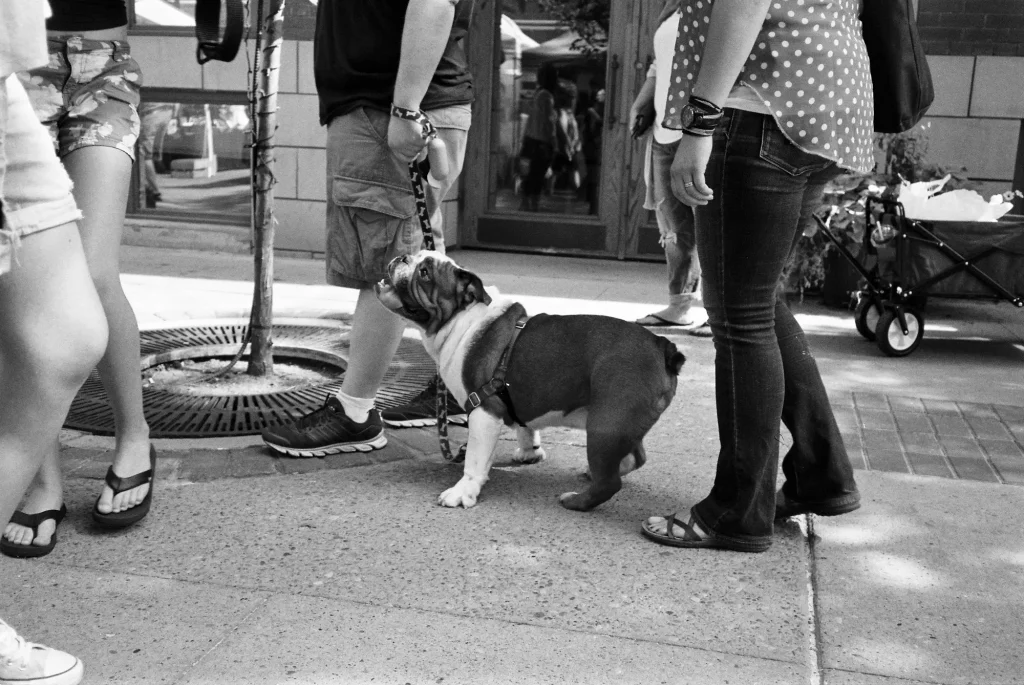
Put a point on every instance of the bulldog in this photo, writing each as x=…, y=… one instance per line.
x=610, y=377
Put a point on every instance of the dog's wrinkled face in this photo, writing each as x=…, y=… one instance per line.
x=428, y=288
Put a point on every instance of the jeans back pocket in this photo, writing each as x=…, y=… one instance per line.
x=780, y=152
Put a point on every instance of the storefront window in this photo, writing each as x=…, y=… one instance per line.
x=194, y=160
x=550, y=94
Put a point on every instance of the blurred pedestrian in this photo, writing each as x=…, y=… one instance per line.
x=675, y=219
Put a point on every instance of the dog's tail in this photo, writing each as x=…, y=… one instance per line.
x=674, y=359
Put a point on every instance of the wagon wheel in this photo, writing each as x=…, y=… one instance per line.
x=866, y=317
x=889, y=334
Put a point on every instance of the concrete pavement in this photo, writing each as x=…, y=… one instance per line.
x=253, y=569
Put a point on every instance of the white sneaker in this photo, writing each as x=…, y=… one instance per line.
x=25, y=663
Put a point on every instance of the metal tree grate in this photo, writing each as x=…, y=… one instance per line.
x=173, y=414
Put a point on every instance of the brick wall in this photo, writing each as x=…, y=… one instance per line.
x=972, y=27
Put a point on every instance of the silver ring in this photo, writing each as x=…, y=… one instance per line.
x=686, y=185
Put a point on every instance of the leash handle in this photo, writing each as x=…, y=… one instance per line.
x=416, y=177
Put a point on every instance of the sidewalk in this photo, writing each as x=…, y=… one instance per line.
x=253, y=569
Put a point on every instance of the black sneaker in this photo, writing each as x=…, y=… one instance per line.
x=326, y=430
x=422, y=410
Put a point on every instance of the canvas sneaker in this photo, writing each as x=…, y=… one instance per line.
x=25, y=663
x=422, y=410
x=327, y=430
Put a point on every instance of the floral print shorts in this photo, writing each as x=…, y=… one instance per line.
x=87, y=95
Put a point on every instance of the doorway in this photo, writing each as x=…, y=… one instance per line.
x=550, y=165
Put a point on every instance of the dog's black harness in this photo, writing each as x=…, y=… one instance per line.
x=497, y=385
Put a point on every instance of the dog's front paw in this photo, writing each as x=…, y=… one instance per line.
x=464, y=493
x=532, y=455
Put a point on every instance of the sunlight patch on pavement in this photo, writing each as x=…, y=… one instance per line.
x=887, y=655
x=1014, y=557
x=908, y=574
x=151, y=293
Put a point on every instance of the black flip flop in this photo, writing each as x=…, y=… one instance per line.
x=33, y=521
x=662, y=322
x=128, y=517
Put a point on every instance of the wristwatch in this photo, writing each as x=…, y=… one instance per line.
x=699, y=117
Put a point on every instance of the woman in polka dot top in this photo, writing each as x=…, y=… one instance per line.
x=774, y=99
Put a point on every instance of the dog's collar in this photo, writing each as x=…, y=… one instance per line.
x=497, y=385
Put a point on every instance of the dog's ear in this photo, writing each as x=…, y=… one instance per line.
x=470, y=288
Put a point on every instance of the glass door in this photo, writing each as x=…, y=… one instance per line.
x=550, y=164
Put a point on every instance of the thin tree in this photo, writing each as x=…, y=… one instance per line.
x=261, y=359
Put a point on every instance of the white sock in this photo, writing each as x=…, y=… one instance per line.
x=356, y=408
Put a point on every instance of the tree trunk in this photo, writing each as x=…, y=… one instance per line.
x=261, y=359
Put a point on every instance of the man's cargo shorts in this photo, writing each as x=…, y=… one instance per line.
x=371, y=209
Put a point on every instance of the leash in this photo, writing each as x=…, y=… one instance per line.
x=416, y=176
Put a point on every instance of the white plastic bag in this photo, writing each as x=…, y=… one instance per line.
x=925, y=201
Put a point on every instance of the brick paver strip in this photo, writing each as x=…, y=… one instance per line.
x=877, y=419
x=1002, y=448
x=1010, y=469
x=907, y=422
x=973, y=469
x=906, y=404
x=886, y=460
x=943, y=438
x=941, y=407
x=871, y=400
x=929, y=465
x=989, y=428
x=961, y=447
x=948, y=424
x=922, y=443
x=881, y=440
x=1010, y=415
x=981, y=411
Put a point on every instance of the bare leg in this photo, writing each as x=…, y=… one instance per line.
x=376, y=334
x=46, y=494
x=51, y=335
x=101, y=176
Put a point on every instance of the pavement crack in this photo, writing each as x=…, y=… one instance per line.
x=816, y=674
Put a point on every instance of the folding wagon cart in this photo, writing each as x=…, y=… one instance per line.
x=915, y=260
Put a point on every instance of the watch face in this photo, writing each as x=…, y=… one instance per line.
x=686, y=117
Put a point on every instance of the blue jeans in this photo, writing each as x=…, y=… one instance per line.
x=675, y=223
x=765, y=189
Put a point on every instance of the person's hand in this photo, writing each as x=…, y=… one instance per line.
x=635, y=110
x=405, y=138
x=688, y=170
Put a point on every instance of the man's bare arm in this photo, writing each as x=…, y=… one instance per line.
x=428, y=24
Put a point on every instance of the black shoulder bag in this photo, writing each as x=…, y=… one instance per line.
x=902, y=82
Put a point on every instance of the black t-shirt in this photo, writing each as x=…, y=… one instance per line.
x=86, y=15
x=356, y=51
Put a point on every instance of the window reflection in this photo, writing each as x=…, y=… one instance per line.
x=165, y=12
x=195, y=159
x=546, y=152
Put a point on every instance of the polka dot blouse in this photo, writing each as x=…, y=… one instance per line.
x=810, y=68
